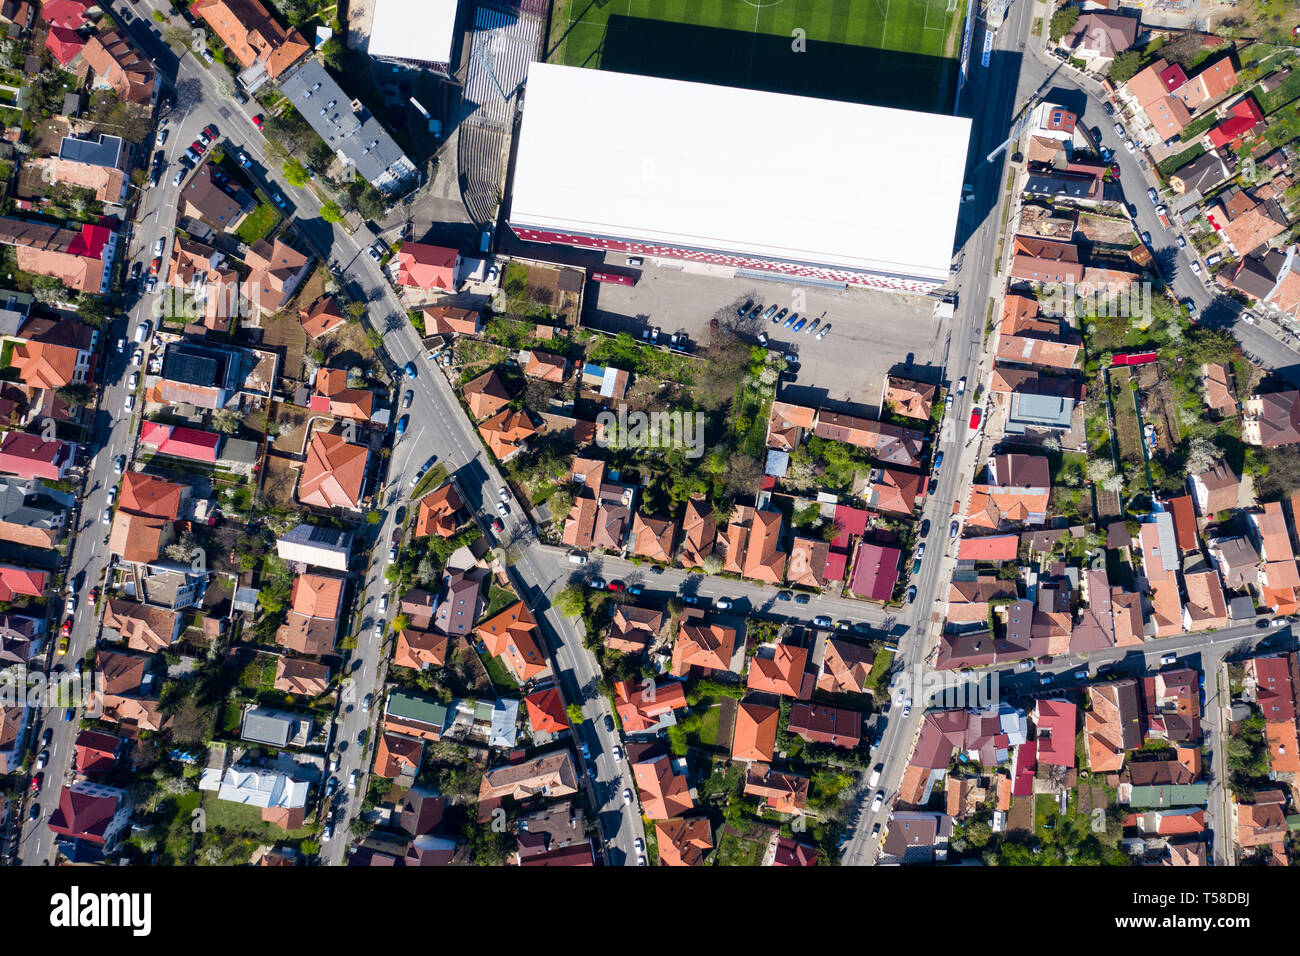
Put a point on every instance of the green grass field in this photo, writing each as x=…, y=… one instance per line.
x=886, y=52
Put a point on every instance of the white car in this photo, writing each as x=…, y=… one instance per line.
x=504, y=493
x=640, y=861
x=877, y=803
x=1167, y=659
x=638, y=844
x=1128, y=144
x=159, y=246
x=503, y=509
x=130, y=403
x=137, y=357
x=328, y=833
x=352, y=780
x=112, y=495
x=627, y=798
x=383, y=604
x=134, y=381
x=1196, y=268
x=907, y=711
x=392, y=554
x=961, y=385
x=70, y=604
x=180, y=174
x=108, y=516
x=618, y=754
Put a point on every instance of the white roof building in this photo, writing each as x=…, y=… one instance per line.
x=258, y=788
x=416, y=32
x=814, y=189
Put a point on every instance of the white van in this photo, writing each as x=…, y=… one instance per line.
x=875, y=775
x=577, y=557
x=142, y=331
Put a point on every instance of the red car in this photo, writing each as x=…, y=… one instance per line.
x=616, y=585
x=257, y=120
x=155, y=265
x=66, y=629
x=197, y=146
x=37, y=781
x=498, y=525
x=93, y=596
x=975, y=418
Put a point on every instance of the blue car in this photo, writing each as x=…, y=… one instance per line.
x=794, y=317
x=67, y=714
x=402, y=423
x=798, y=326
x=409, y=369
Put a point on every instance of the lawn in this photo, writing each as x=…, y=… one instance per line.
x=258, y=224
x=866, y=51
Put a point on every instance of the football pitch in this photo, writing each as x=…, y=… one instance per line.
x=886, y=52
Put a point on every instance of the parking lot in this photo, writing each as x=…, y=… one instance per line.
x=871, y=332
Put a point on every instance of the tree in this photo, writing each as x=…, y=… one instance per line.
x=91, y=310
x=571, y=602
x=374, y=339
x=295, y=173
x=332, y=51
x=76, y=394
x=330, y=212
x=1201, y=455
x=574, y=713
x=1125, y=66
x=48, y=290
x=401, y=622
x=226, y=422
x=1062, y=21
x=1099, y=469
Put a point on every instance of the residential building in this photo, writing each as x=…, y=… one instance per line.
x=82, y=258
x=91, y=813
x=422, y=266
x=316, y=545
x=98, y=164
x=683, y=842
x=507, y=433
x=486, y=395
x=754, y=732
x=420, y=650
x=549, y=775
x=1097, y=38
x=699, y=532
x=275, y=271
x=31, y=457
x=334, y=473
x=824, y=724
x=254, y=36
x=323, y=317
x=633, y=629
x=1112, y=724
x=461, y=603
x=281, y=798
x=908, y=398
x=311, y=625
x=438, y=512
x=210, y=197
x=1215, y=490
x=140, y=626
x=512, y=635
x=646, y=707
x=118, y=66
x=1272, y=419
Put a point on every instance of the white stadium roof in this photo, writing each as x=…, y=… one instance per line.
x=715, y=168
x=419, y=30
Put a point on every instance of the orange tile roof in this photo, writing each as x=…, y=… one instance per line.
x=333, y=473
x=908, y=398
x=324, y=316
x=763, y=559
x=782, y=792
x=845, y=667
x=138, y=538
x=546, y=366
x=754, y=734
x=654, y=537
x=808, y=558
x=438, y=511
x=580, y=525
x=705, y=646
x=418, y=649
x=397, y=755
x=317, y=595
x=305, y=678
x=1283, y=746
x=512, y=636
x=664, y=792
x=486, y=395
x=252, y=34
x=506, y=432
x=44, y=365
x=146, y=495
x=546, y=713
x=699, y=531
x=641, y=705
x=1206, y=606
x=784, y=672
x=121, y=66
x=344, y=402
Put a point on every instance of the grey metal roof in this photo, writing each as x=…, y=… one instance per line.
x=101, y=151
x=271, y=727
x=348, y=128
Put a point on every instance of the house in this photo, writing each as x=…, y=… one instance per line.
x=1216, y=378
x=1112, y=724
x=1028, y=338
x=274, y=728
x=419, y=605
x=96, y=752
x=1097, y=38
x=754, y=732
x=1172, y=705
x=281, y=798
x=1262, y=825
x=753, y=537
x=512, y=635
x=1215, y=490
x=1279, y=578
x=908, y=398
x=1261, y=277
x=1206, y=605
x=1201, y=175
x=507, y=432
x=1237, y=561
x=98, y=164
x=875, y=571
x=1243, y=117
x=633, y=629
x=120, y=67
x=546, y=711
x=683, y=842
x=213, y=200
x=301, y=678
x=1272, y=419
x=448, y=320
x=1244, y=223
x=460, y=604
x=177, y=441
x=13, y=727
x=486, y=395
x=646, y=707
x=142, y=524
x=422, y=266
x=334, y=472
x=844, y=667
x=334, y=397
x=1160, y=562
x=788, y=424
x=1044, y=260
x=310, y=544
x=546, y=366
x=82, y=258
x=549, y=774
x=653, y=538
x=315, y=603
x=91, y=813
x=275, y=271
x=324, y=316
x=63, y=45
x=915, y=837
x=253, y=34
x=699, y=532
x=781, y=669
x=1168, y=99
x=199, y=375
x=893, y=491
x=701, y=646
x=21, y=638
x=32, y=457
x=662, y=787
x=141, y=626
x=398, y=756
x=613, y=515
x=823, y=724
x=1056, y=722
x=414, y=715
x=438, y=511
x=808, y=559
x=420, y=650
x=780, y=792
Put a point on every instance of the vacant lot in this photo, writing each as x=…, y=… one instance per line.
x=863, y=51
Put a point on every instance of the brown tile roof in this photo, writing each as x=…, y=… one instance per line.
x=699, y=530
x=908, y=398
x=486, y=395
x=821, y=723
x=303, y=678
x=420, y=649
x=706, y=646
x=324, y=316
x=783, y=792
x=397, y=755
x=545, y=365
x=446, y=320
x=683, y=842
x=138, y=538
x=781, y=669
x=654, y=537
x=808, y=562
x=632, y=629
x=119, y=64
x=1219, y=394
x=438, y=511
x=512, y=636
x=506, y=432
x=845, y=667
x=274, y=269
x=1045, y=260
x=550, y=774
x=145, y=627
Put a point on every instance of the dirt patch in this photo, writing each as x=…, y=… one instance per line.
x=1158, y=408
x=1092, y=796
x=284, y=331
x=1126, y=423
x=281, y=481
x=346, y=348
x=293, y=428
x=48, y=136
x=1104, y=231
x=1021, y=815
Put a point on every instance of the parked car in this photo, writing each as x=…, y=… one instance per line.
x=961, y=385
x=503, y=509
x=402, y=423
x=409, y=369
x=498, y=525
x=1146, y=238
x=1129, y=145
x=911, y=594
x=798, y=326
x=1196, y=268
x=722, y=604
x=1182, y=242
x=180, y=174
x=771, y=311
x=762, y=339
x=821, y=620
x=878, y=802
x=352, y=779
x=577, y=557
x=975, y=416
x=137, y=357
x=257, y=120
x=596, y=584
x=784, y=596
x=813, y=327
x=627, y=798
x=740, y=312
x=1119, y=129
x=615, y=585
x=279, y=200
x=383, y=603
x=244, y=161
x=794, y=317
x=802, y=598
x=826, y=330
x=954, y=528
